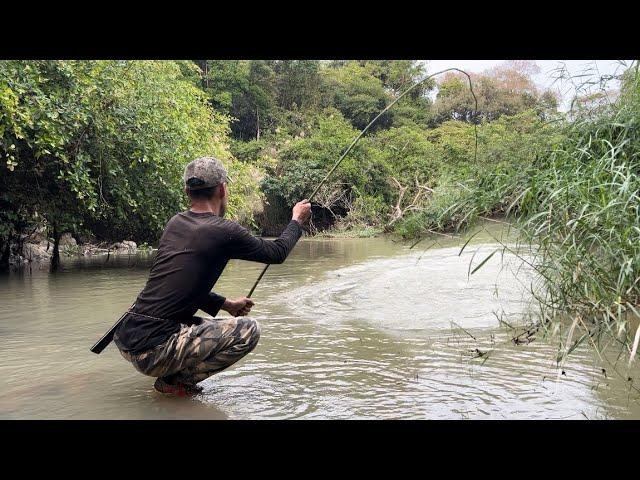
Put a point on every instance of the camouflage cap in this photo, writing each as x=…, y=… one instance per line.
x=204, y=172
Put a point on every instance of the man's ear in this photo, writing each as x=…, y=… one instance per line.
x=222, y=190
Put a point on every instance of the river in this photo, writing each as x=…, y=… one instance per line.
x=351, y=329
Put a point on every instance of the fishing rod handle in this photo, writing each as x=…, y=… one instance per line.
x=106, y=339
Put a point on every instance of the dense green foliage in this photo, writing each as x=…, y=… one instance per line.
x=507, y=149
x=100, y=146
x=413, y=148
x=572, y=189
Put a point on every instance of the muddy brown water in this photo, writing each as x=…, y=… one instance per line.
x=351, y=329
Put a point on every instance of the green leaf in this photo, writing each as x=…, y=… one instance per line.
x=483, y=262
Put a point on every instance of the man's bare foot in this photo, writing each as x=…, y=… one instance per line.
x=178, y=388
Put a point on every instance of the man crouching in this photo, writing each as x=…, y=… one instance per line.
x=160, y=335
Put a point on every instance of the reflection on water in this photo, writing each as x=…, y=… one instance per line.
x=351, y=328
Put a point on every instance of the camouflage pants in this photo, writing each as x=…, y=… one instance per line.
x=198, y=351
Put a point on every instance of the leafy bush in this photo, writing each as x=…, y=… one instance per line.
x=304, y=161
x=366, y=211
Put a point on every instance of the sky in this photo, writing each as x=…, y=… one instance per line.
x=544, y=79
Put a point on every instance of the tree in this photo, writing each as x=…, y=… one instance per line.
x=302, y=163
x=504, y=90
x=298, y=84
x=245, y=90
x=101, y=146
x=397, y=76
x=45, y=113
x=358, y=95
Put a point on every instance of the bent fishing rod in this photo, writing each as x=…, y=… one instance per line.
x=364, y=130
x=106, y=339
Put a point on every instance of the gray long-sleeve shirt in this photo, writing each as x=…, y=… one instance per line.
x=193, y=251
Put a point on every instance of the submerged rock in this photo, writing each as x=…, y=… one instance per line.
x=37, y=248
x=67, y=240
x=37, y=252
x=126, y=246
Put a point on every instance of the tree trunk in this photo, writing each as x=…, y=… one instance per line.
x=55, y=258
x=4, y=257
x=258, y=124
x=204, y=66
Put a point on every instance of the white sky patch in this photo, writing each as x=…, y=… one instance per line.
x=545, y=79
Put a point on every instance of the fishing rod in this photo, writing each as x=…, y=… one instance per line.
x=364, y=130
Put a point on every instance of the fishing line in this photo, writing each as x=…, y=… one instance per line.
x=364, y=130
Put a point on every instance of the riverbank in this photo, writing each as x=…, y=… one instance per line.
x=38, y=249
x=352, y=232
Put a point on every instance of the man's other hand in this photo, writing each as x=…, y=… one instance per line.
x=302, y=211
x=238, y=307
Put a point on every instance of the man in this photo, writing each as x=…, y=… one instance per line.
x=160, y=336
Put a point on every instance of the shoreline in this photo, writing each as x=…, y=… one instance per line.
x=38, y=250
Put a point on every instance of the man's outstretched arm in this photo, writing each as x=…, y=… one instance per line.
x=245, y=246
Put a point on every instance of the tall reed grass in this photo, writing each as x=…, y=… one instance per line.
x=576, y=205
x=581, y=208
